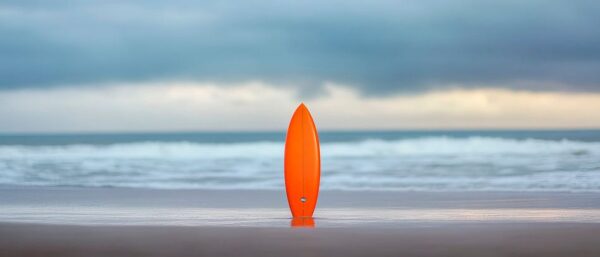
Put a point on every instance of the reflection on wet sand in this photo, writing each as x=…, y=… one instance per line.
x=279, y=217
x=302, y=222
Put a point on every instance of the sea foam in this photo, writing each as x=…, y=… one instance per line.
x=426, y=164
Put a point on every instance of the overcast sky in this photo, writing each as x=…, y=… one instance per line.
x=212, y=65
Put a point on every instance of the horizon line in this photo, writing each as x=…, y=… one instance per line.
x=515, y=129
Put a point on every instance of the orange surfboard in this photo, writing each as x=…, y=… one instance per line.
x=302, y=164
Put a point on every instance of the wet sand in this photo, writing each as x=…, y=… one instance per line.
x=198, y=198
x=40, y=221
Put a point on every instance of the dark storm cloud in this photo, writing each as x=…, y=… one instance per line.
x=376, y=46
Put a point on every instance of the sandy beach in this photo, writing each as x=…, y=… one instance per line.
x=63, y=221
x=523, y=239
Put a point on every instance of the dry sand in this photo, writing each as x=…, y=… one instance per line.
x=480, y=240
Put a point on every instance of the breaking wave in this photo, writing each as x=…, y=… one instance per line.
x=424, y=164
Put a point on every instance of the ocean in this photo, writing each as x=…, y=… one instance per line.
x=557, y=161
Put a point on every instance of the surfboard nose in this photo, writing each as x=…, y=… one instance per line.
x=301, y=110
x=302, y=106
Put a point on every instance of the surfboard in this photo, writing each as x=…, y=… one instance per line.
x=302, y=163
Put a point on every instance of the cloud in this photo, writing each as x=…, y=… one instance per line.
x=377, y=47
x=191, y=106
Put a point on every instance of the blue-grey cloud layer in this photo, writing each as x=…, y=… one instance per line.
x=376, y=46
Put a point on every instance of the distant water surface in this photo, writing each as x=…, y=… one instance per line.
x=391, y=160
